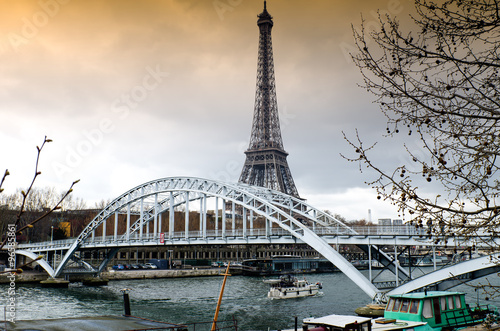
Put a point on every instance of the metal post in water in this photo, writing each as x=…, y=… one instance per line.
x=126, y=301
x=296, y=320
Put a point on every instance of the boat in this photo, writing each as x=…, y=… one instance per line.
x=423, y=261
x=337, y=322
x=439, y=309
x=420, y=311
x=357, y=323
x=288, y=286
x=285, y=264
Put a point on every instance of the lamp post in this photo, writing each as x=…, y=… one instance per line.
x=51, y=234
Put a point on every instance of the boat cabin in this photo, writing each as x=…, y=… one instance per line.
x=437, y=308
x=337, y=323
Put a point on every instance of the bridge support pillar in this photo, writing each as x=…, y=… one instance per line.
x=155, y=219
x=369, y=261
x=186, y=217
x=244, y=215
x=141, y=215
x=115, y=234
x=396, y=262
x=171, y=216
x=204, y=201
x=127, y=235
x=224, y=218
x=216, y=216
x=251, y=222
x=233, y=225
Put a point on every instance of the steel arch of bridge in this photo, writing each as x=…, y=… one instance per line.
x=150, y=199
x=454, y=275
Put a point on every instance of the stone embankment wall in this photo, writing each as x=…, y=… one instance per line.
x=25, y=277
x=150, y=274
x=36, y=277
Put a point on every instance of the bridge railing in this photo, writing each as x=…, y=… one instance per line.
x=178, y=235
x=63, y=243
x=399, y=230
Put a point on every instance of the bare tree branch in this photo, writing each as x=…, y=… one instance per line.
x=26, y=194
x=440, y=83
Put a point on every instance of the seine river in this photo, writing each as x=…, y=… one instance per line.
x=188, y=300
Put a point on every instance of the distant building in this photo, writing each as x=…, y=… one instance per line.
x=397, y=222
x=384, y=221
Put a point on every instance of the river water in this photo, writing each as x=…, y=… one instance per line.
x=189, y=300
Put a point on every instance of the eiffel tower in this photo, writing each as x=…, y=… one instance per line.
x=265, y=163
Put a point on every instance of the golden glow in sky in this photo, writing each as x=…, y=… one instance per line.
x=132, y=91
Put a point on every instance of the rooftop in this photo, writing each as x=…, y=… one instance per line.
x=428, y=294
x=336, y=320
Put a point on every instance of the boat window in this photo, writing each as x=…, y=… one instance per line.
x=405, y=305
x=414, y=306
x=443, y=303
x=458, y=303
x=437, y=311
x=450, y=302
x=390, y=304
x=427, y=310
x=397, y=303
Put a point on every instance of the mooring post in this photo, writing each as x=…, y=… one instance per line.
x=126, y=301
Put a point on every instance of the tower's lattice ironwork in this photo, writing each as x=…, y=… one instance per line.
x=265, y=163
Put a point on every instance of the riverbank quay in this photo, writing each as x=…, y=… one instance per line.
x=160, y=273
x=26, y=277
x=91, y=323
x=33, y=277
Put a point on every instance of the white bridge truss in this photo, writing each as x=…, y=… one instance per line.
x=287, y=220
x=453, y=275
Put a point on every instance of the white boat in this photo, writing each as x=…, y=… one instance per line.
x=418, y=311
x=288, y=286
x=358, y=323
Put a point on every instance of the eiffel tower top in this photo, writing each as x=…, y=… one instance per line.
x=266, y=131
x=264, y=17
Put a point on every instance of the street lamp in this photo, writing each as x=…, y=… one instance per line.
x=51, y=234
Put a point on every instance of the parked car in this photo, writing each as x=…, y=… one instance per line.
x=151, y=266
x=119, y=267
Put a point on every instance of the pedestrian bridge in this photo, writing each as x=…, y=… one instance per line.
x=229, y=214
x=453, y=275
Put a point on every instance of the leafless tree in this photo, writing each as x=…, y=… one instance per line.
x=438, y=82
x=102, y=204
x=30, y=199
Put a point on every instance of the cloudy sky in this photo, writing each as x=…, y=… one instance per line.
x=131, y=91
